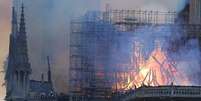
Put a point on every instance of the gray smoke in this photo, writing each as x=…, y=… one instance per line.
x=48, y=23
x=186, y=56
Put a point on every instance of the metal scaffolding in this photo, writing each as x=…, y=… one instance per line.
x=127, y=20
x=90, y=45
x=93, y=39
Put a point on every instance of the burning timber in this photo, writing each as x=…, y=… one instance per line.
x=99, y=66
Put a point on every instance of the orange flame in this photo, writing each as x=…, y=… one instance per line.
x=157, y=70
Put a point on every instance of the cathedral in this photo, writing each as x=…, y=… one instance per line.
x=19, y=86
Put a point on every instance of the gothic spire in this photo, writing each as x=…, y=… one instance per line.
x=22, y=21
x=19, y=68
x=49, y=71
x=14, y=22
x=12, y=44
x=22, y=50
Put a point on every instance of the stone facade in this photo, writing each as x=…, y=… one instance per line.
x=165, y=93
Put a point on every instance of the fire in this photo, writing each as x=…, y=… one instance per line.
x=157, y=69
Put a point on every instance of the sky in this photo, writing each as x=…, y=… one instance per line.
x=4, y=32
x=47, y=23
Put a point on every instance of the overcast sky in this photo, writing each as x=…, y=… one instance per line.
x=47, y=28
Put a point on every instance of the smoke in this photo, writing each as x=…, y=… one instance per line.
x=48, y=30
x=188, y=58
x=183, y=51
x=164, y=5
x=47, y=23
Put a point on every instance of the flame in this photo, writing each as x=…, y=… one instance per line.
x=157, y=69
